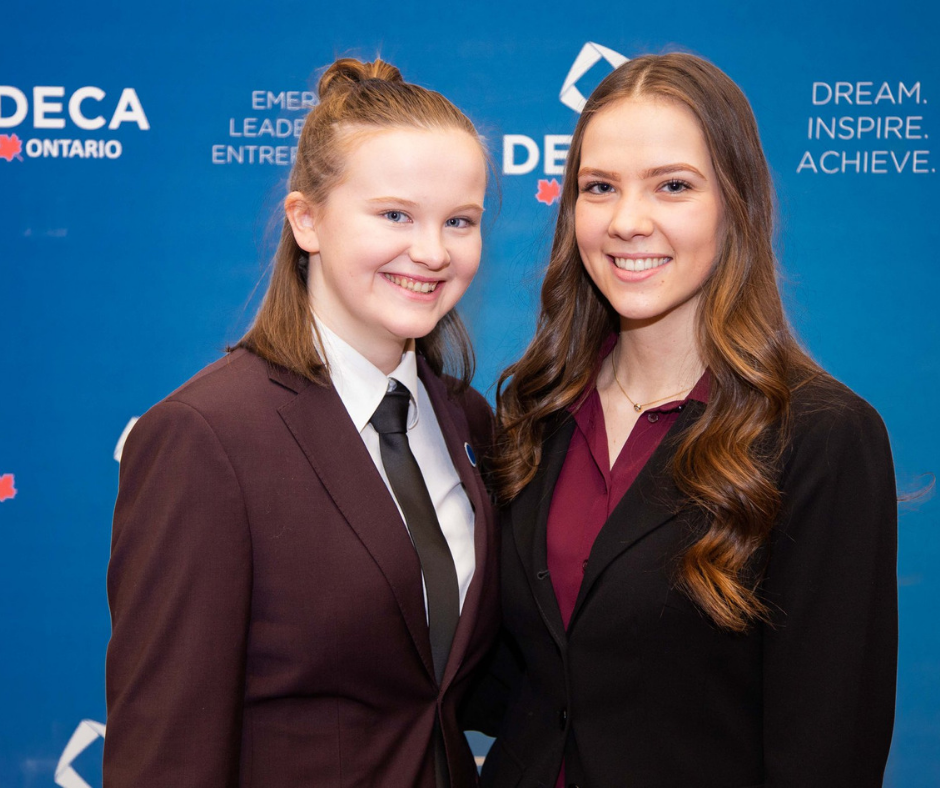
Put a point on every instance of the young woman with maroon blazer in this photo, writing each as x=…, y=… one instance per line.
x=303, y=560
x=699, y=539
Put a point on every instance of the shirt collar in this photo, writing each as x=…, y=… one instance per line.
x=360, y=384
x=699, y=392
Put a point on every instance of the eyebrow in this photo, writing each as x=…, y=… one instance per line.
x=399, y=200
x=654, y=172
x=669, y=169
x=470, y=206
x=594, y=173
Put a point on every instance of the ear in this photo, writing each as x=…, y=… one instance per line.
x=300, y=214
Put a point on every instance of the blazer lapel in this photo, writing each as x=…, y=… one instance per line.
x=456, y=432
x=323, y=430
x=529, y=513
x=651, y=501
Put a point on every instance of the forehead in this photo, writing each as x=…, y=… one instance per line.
x=645, y=128
x=400, y=152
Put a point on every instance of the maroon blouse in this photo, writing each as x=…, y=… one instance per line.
x=588, y=489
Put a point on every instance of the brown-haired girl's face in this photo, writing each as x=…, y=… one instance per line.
x=397, y=241
x=648, y=219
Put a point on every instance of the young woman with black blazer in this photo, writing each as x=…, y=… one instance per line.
x=302, y=574
x=699, y=541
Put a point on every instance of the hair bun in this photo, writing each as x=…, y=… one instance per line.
x=348, y=72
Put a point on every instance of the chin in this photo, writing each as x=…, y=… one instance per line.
x=416, y=330
x=639, y=315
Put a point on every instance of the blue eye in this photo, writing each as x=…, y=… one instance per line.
x=597, y=187
x=396, y=216
x=675, y=187
x=460, y=222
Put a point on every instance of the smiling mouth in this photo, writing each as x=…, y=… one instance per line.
x=412, y=284
x=638, y=263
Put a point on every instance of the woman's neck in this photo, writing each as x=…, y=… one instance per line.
x=656, y=360
x=383, y=352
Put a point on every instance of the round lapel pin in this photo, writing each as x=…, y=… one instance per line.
x=470, y=455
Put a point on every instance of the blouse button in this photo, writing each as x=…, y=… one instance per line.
x=584, y=565
x=652, y=418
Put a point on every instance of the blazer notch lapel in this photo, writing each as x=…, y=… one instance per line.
x=652, y=501
x=286, y=379
x=529, y=513
x=322, y=428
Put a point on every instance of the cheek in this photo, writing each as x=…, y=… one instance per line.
x=700, y=236
x=590, y=236
x=583, y=224
x=596, y=275
x=467, y=259
x=367, y=254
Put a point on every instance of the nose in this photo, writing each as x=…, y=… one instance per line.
x=428, y=249
x=631, y=218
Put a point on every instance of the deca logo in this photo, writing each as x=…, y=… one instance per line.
x=522, y=154
x=48, y=109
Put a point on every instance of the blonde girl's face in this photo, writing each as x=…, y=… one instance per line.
x=397, y=241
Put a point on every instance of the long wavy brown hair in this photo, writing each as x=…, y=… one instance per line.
x=355, y=98
x=726, y=462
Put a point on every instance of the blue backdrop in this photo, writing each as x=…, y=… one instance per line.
x=143, y=150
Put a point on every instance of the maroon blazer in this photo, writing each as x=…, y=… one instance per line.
x=268, y=617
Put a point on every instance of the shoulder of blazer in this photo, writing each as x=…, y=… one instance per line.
x=824, y=396
x=236, y=380
x=237, y=395
x=825, y=414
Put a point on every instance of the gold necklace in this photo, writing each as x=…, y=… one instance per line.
x=638, y=407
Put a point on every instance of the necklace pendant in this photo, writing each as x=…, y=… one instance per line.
x=638, y=408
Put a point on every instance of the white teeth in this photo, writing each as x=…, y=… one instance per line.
x=412, y=284
x=640, y=263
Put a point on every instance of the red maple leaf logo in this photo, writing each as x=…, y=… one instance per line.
x=549, y=191
x=11, y=147
x=7, y=490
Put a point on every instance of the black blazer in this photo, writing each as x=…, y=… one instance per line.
x=268, y=617
x=643, y=690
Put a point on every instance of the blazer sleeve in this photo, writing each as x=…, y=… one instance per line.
x=179, y=586
x=495, y=685
x=830, y=651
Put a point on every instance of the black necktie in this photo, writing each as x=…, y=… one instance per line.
x=437, y=564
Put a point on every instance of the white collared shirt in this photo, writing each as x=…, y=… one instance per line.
x=361, y=386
